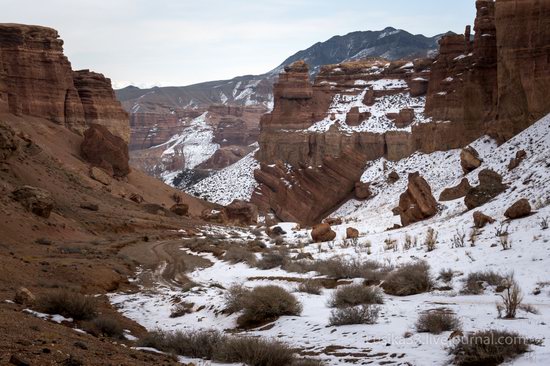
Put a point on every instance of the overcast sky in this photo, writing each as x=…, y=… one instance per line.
x=181, y=42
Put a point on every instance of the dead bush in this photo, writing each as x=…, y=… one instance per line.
x=340, y=268
x=431, y=239
x=511, y=299
x=254, y=351
x=239, y=254
x=409, y=279
x=446, y=275
x=352, y=295
x=310, y=287
x=69, y=304
x=473, y=285
x=106, y=326
x=181, y=309
x=266, y=303
x=362, y=314
x=489, y=347
x=200, y=344
x=235, y=298
x=437, y=321
x=272, y=260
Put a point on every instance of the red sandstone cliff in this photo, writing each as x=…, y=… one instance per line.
x=36, y=79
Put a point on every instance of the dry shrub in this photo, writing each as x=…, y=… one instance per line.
x=106, y=326
x=340, y=268
x=437, y=321
x=181, y=309
x=200, y=344
x=489, y=347
x=238, y=254
x=362, y=314
x=409, y=279
x=69, y=304
x=473, y=285
x=446, y=275
x=254, y=351
x=352, y=295
x=431, y=239
x=235, y=298
x=511, y=299
x=272, y=260
x=266, y=303
x=311, y=287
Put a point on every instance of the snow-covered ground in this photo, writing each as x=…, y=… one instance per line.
x=528, y=259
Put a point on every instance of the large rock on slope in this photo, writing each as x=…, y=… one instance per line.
x=241, y=213
x=36, y=200
x=490, y=186
x=417, y=202
x=469, y=159
x=456, y=192
x=520, y=209
x=322, y=233
x=104, y=150
x=480, y=219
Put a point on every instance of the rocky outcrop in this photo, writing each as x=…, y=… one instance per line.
x=456, y=192
x=490, y=186
x=520, y=209
x=362, y=191
x=104, y=150
x=35, y=200
x=352, y=233
x=36, y=79
x=180, y=209
x=469, y=159
x=100, y=104
x=417, y=202
x=240, y=212
x=515, y=162
x=322, y=233
x=24, y=296
x=480, y=219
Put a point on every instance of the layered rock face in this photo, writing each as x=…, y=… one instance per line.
x=36, y=79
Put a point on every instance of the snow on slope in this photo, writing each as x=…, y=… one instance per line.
x=528, y=258
x=194, y=144
x=233, y=182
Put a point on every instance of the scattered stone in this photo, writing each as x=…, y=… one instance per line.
x=137, y=198
x=480, y=219
x=393, y=177
x=490, y=186
x=276, y=231
x=456, y=192
x=333, y=221
x=520, y=209
x=24, y=297
x=36, y=200
x=352, y=233
x=322, y=232
x=417, y=203
x=180, y=209
x=89, y=206
x=362, y=191
x=469, y=159
x=515, y=162
x=100, y=176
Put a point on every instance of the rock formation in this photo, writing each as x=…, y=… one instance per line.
x=36, y=79
x=35, y=200
x=362, y=191
x=104, y=150
x=516, y=161
x=456, y=192
x=352, y=233
x=480, y=219
x=241, y=213
x=518, y=210
x=322, y=233
x=490, y=186
x=417, y=202
x=469, y=159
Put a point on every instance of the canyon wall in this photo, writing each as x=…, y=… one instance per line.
x=36, y=79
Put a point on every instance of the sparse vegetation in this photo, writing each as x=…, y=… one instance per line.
x=362, y=314
x=458, y=240
x=431, y=239
x=352, y=295
x=543, y=223
x=261, y=304
x=390, y=244
x=310, y=287
x=69, y=304
x=511, y=299
x=106, y=326
x=437, y=321
x=410, y=242
x=505, y=242
x=181, y=309
x=474, y=234
x=218, y=347
x=489, y=347
x=238, y=254
x=446, y=275
x=473, y=285
x=409, y=279
x=272, y=260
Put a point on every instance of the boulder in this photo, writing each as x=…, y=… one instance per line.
x=417, y=202
x=333, y=221
x=458, y=191
x=322, y=232
x=276, y=232
x=36, y=200
x=515, y=162
x=520, y=209
x=490, y=186
x=100, y=176
x=24, y=297
x=104, y=150
x=355, y=117
x=137, y=198
x=89, y=206
x=214, y=215
x=362, y=191
x=241, y=213
x=469, y=159
x=393, y=177
x=480, y=219
x=352, y=233
x=180, y=209
x=405, y=117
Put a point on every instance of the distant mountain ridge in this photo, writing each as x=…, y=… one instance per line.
x=247, y=90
